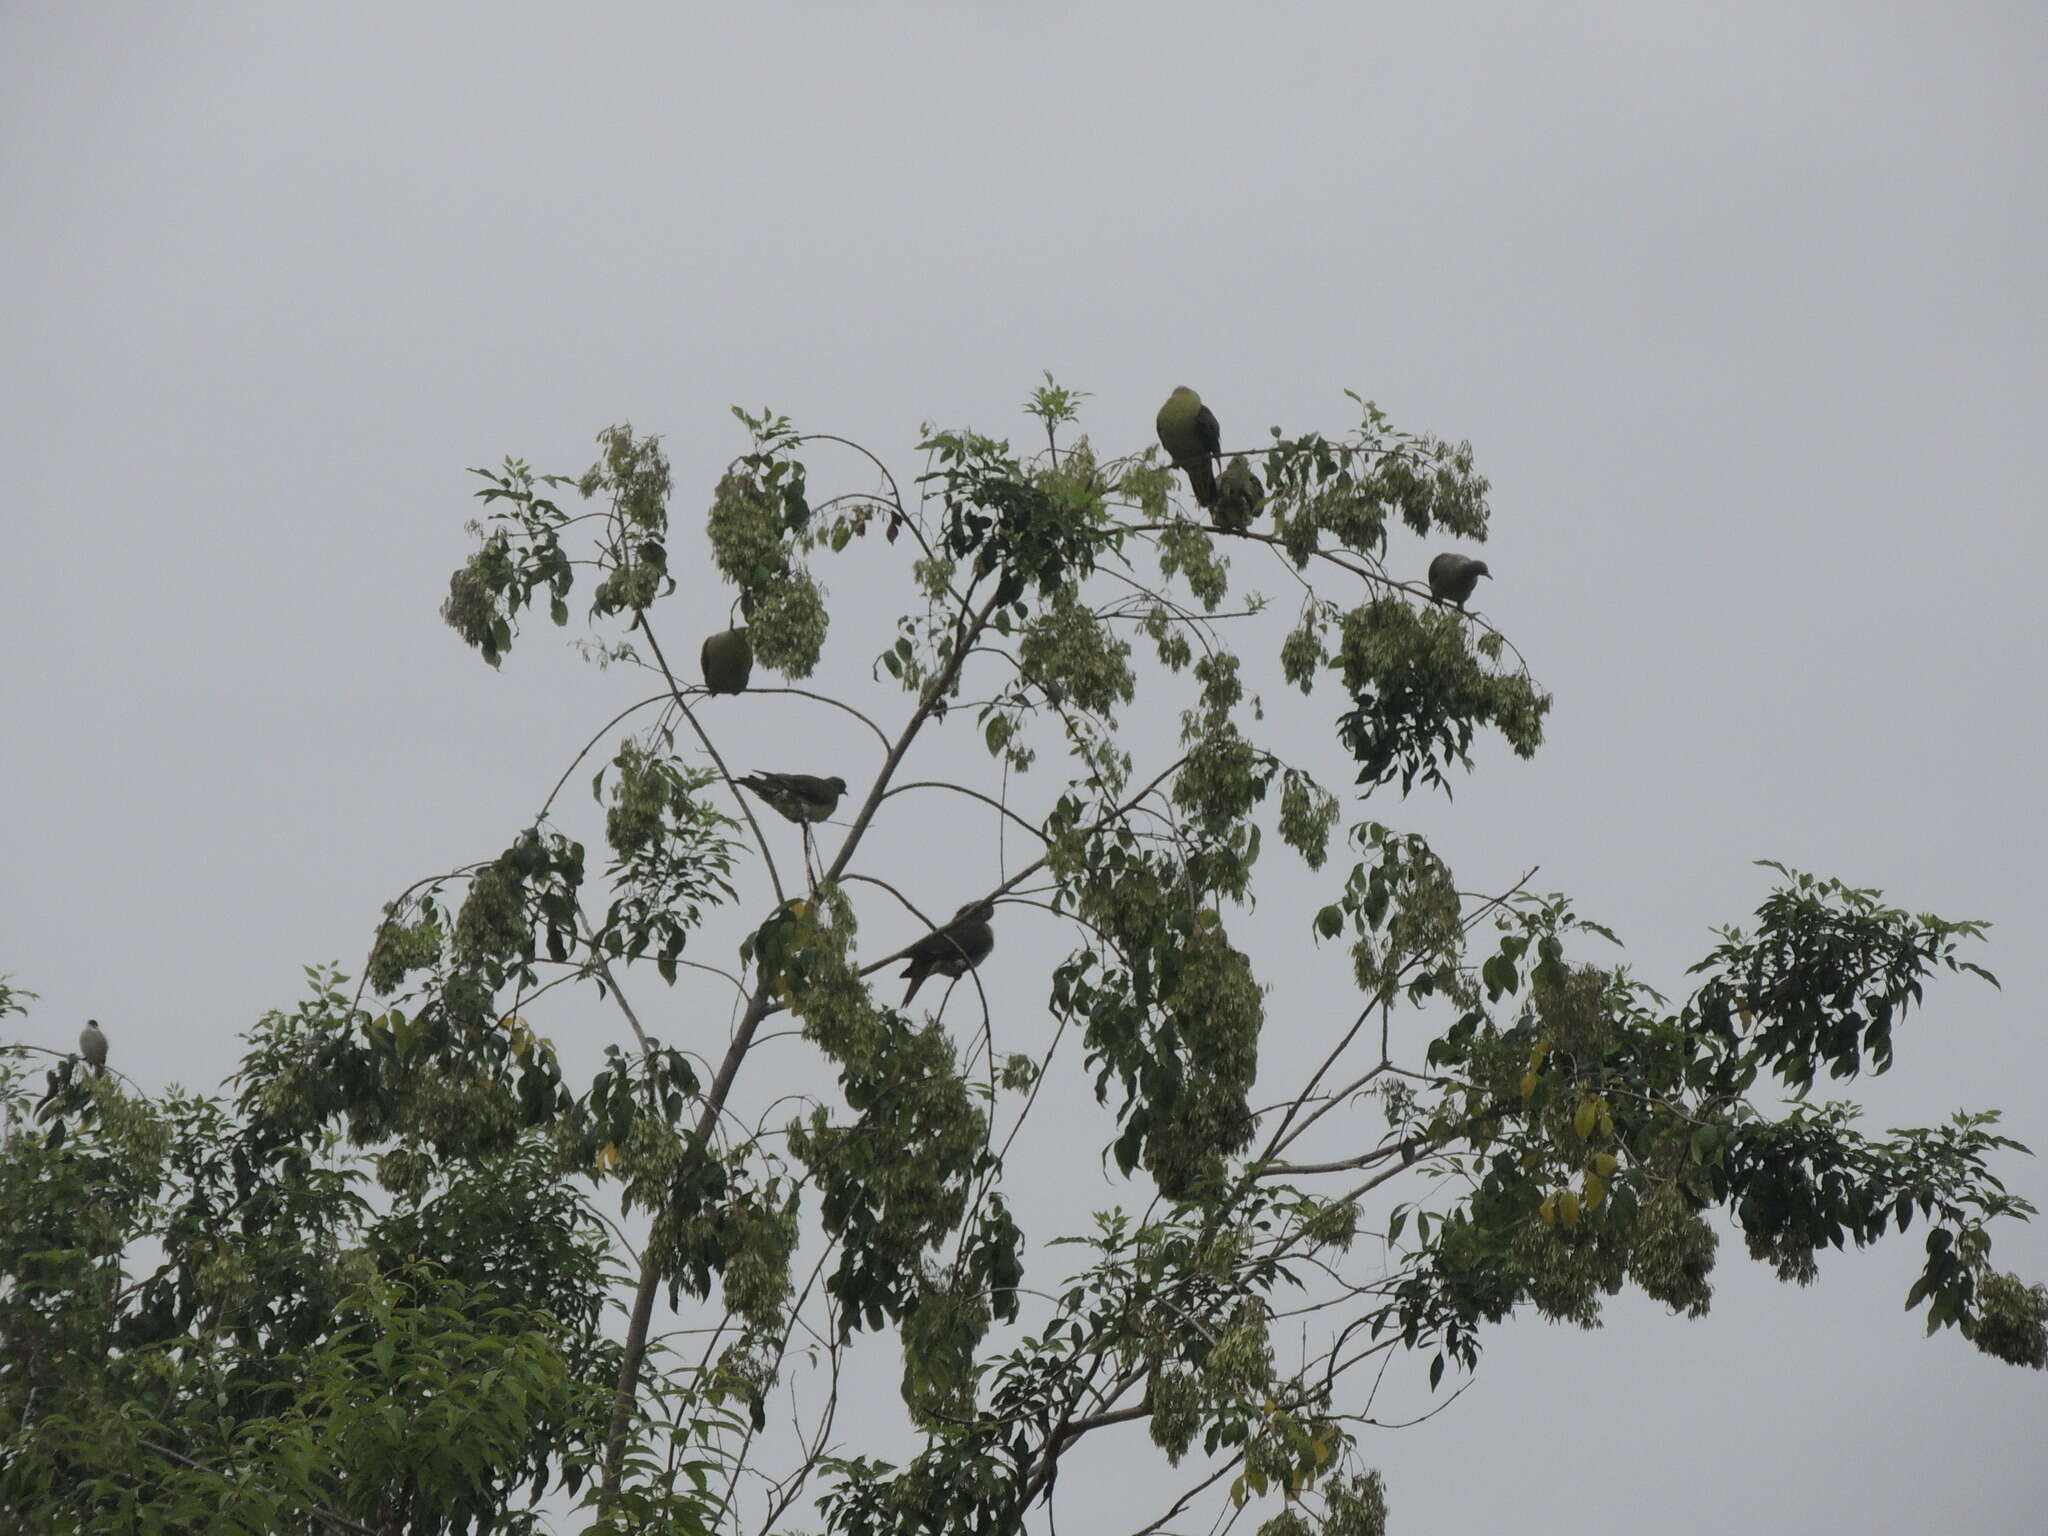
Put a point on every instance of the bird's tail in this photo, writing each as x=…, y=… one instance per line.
x=1202, y=480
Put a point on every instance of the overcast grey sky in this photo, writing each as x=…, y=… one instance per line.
x=1742, y=307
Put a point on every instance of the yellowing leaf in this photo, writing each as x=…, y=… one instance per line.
x=1596, y=1190
x=1604, y=1164
x=1584, y=1120
x=1567, y=1207
x=1529, y=1081
x=1548, y=1209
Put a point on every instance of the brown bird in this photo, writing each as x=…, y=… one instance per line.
x=1452, y=578
x=953, y=950
x=92, y=1045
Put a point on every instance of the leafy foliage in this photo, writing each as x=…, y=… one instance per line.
x=372, y=1289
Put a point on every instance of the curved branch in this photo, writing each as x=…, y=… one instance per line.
x=548, y=804
x=908, y=905
x=826, y=698
x=895, y=494
x=972, y=794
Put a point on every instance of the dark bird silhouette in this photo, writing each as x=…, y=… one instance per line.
x=1192, y=440
x=953, y=950
x=799, y=797
x=1452, y=578
x=92, y=1045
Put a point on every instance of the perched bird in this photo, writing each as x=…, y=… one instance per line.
x=1452, y=578
x=799, y=797
x=728, y=661
x=1191, y=438
x=953, y=950
x=1239, y=497
x=92, y=1045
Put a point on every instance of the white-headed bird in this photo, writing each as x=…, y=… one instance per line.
x=92, y=1045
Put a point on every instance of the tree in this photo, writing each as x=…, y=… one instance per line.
x=208, y=1325
x=841, y=1167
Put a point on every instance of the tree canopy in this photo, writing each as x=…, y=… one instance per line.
x=431, y=1265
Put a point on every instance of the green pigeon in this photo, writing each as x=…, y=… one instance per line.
x=799, y=797
x=728, y=661
x=953, y=950
x=1239, y=497
x=92, y=1045
x=1452, y=578
x=1188, y=432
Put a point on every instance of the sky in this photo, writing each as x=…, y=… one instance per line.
x=1741, y=307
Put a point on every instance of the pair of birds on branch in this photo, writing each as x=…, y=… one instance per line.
x=807, y=799
x=951, y=951
x=1189, y=433
x=1193, y=441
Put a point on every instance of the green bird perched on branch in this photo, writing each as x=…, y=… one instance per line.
x=1452, y=578
x=1239, y=497
x=92, y=1045
x=728, y=661
x=1189, y=434
x=799, y=797
x=953, y=950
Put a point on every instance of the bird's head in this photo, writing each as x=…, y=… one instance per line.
x=836, y=784
x=975, y=911
x=1479, y=569
x=92, y=1023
